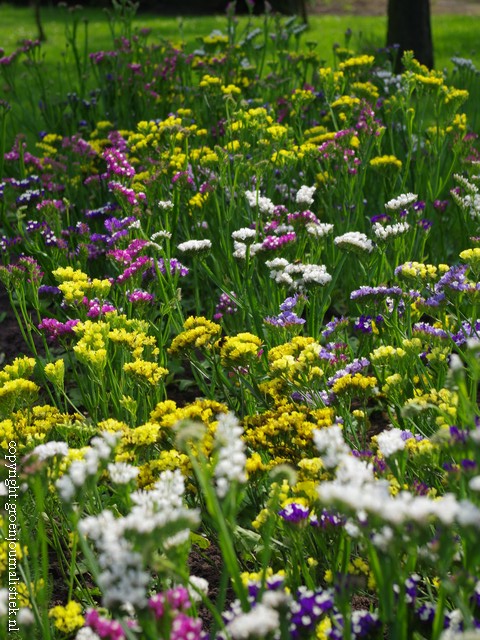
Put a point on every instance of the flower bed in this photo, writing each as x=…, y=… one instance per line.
x=248, y=288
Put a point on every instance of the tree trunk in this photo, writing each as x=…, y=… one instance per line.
x=409, y=27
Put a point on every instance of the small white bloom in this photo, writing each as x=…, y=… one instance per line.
x=196, y=587
x=319, y=230
x=330, y=443
x=390, y=230
x=305, y=195
x=354, y=240
x=161, y=234
x=265, y=205
x=401, y=202
x=121, y=472
x=245, y=234
x=195, y=246
x=50, y=449
x=25, y=617
x=390, y=441
x=231, y=453
x=165, y=204
x=474, y=483
x=257, y=623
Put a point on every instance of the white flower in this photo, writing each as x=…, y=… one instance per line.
x=474, y=483
x=401, y=202
x=390, y=441
x=195, y=246
x=161, y=234
x=85, y=633
x=245, y=234
x=354, y=240
x=165, y=204
x=3, y=602
x=50, y=449
x=25, y=617
x=320, y=229
x=257, y=623
x=305, y=195
x=121, y=472
x=381, y=539
x=231, y=453
x=330, y=443
x=265, y=205
x=315, y=274
x=196, y=587
x=240, y=249
x=390, y=230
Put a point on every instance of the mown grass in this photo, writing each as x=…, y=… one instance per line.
x=453, y=35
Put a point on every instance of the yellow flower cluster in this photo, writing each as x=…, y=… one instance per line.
x=21, y=367
x=286, y=431
x=444, y=401
x=357, y=62
x=67, y=619
x=198, y=333
x=385, y=163
x=351, y=383
x=240, y=349
x=387, y=354
x=74, y=284
x=145, y=370
x=296, y=360
x=419, y=270
x=91, y=348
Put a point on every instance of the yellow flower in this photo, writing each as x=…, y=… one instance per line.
x=240, y=349
x=67, y=619
x=198, y=332
x=151, y=372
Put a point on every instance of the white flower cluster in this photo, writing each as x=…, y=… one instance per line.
x=401, y=202
x=79, y=471
x=390, y=441
x=356, y=489
x=165, y=205
x=298, y=275
x=390, y=230
x=240, y=249
x=121, y=472
x=261, y=621
x=354, y=240
x=470, y=202
x=319, y=230
x=50, y=450
x=305, y=195
x=245, y=234
x=265, y=205
x=159, y=235
x=329, y=441
x=122, y=579
x=231, y=453
x=195, y=246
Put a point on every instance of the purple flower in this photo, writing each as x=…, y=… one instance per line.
x=54, y=329
x=295, y=513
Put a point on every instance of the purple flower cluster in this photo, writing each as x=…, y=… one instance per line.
x=352, y=368
x=375, y=292
x=103, y=627
x=54, y=329
x=226, y=305
x=117, y=163
x=287, y=317
x=295, y=513
x=275, y=242
x=307, y=610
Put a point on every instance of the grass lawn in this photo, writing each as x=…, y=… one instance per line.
x=453, y=35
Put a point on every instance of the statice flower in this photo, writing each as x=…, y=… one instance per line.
x=121, y=472
x=134, y=198
x=330, y=443
x=245, y=234
x=117, y=163
x=354, y=241
x=231, y=454
x=50, y=450
x=401, y=202
x=295, y=513
x=139, y=296
x=307, y=608
x=165, y=205
x=390, y=441
x=54, y=329
x=388, y=231
x=265, y=205
x=101, y=627
x=79, y=471
x=375, y=292
x=352, y=368
x=195, y=246
x=287, y=317
x=319, y=230
x=226, y=305
x=305, y=195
